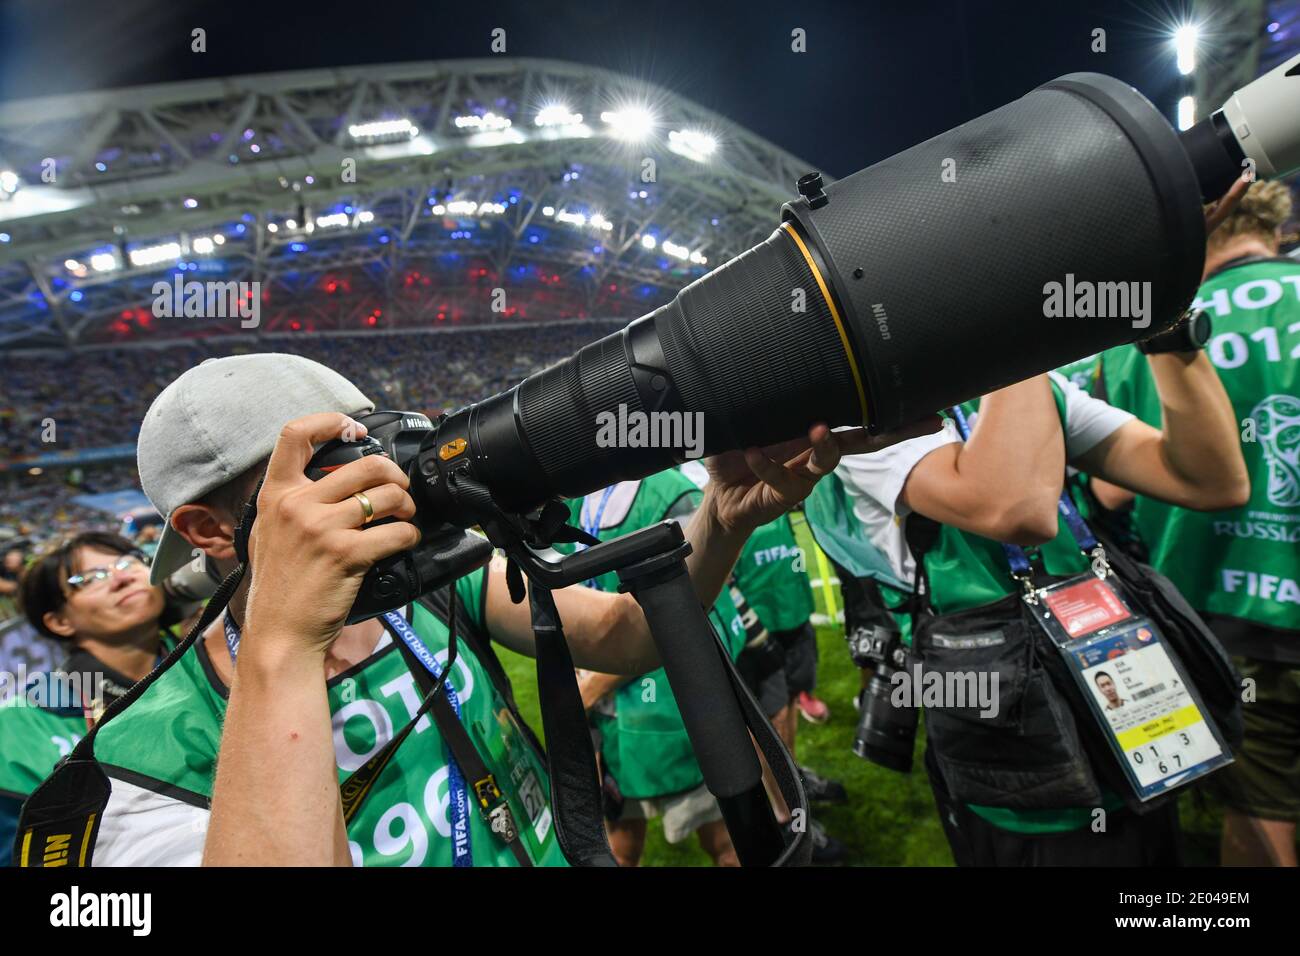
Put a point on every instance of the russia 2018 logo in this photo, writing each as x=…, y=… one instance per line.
x=1278, y=418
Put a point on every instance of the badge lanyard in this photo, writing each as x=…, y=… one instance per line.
x=594, y=528
x=459, y=794
x=457, y=791
x=232, y=636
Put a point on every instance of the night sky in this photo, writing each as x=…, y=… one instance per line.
x=877, y=76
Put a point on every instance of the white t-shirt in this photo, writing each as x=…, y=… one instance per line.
x=875, y=481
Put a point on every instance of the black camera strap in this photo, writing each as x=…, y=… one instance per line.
x=111, y=683
x=492, y=803
x=570, y=756
x=921, y=534
x=354, y=790
x=571, y=759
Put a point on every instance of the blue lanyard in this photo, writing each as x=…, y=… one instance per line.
x=232, y=636
x=1016, y=556
x=459, y=794
x=594, y=528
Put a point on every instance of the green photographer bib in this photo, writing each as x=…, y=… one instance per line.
x=1243, y=562
x=36, y=732
x=772, y=574
x=644, y=744
x=167, y=743
x=32, y=741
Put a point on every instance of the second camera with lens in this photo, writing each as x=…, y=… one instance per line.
x=886, y=734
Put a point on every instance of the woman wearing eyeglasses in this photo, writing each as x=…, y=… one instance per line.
x=91, y=593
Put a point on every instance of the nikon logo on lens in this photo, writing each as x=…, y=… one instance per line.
x=882, y=320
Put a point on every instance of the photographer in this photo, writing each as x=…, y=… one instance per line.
x=1240, y=567
x=774, y=580
x=312, y=700
x=92, y=593
x=11, y=570
x=1003, y=485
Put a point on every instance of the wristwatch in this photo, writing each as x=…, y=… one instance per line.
x=1190, y=334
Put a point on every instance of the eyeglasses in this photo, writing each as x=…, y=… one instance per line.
x=94, y=577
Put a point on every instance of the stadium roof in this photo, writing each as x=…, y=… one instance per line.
x=394, y=195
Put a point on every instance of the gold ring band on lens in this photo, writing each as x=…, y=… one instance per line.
x=835, y=314
x=367, y=509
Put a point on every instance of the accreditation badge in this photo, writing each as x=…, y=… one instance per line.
x=508, y=755
x=1136, y=687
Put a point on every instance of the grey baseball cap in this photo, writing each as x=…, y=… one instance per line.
x=218, y=420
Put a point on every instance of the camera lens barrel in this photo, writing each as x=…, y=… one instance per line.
x=1215, y=154
x=941, y=254
x=886, y=735
x=909, y=286
x=1263, y=118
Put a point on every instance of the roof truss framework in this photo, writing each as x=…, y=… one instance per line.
x=180, y=161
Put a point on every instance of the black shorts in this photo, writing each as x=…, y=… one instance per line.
x=778, y=672
x=763, y=670
x=800, y=645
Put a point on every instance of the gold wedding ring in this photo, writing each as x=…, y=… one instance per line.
x=367, y=509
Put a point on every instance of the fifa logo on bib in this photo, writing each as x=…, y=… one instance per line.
x=1278, y=418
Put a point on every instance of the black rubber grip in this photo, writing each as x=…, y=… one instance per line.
x=710, y=712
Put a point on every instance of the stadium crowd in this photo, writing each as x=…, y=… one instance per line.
x=97, y=399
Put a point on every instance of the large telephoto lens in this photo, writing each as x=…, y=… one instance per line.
x=1258, y=127
x=1064, y=223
